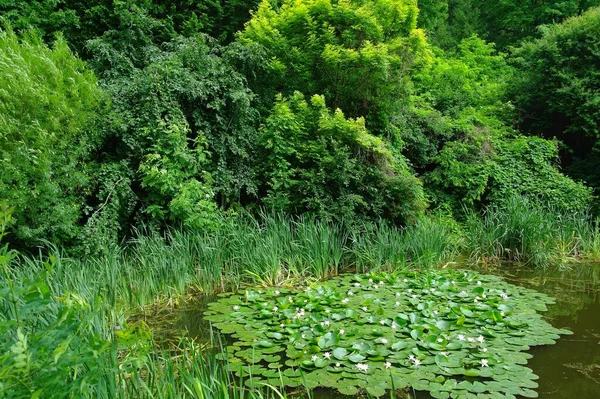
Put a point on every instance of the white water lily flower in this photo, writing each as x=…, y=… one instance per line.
x=471, y=339
x=350, y=293
x=484, y=349
x=341, y=332
x=275, y=309
x=290, y=299
x=236, y=308
x=409, y=290
x=371, y=280
x=461, y=337
x=444, y=354
x=382, y=322
x=384, y=341
x=357, y=285
x=327, y=355
x=276, y=292
x=345, y=300
x=417, y=362
x=364, y=308
x=394, y=325
x=480, y=339
x=337, y=365
x=413, y=296
x=502, y=314
x=453, y=282
x=405, y=280
x=303, y=336
x=282, y=325
x=326, y=323
x=362, y=367
x=435, y=312
x=479, y=283
x=440, y=340
x=397, y=303
x=504, y=296
x=484, y=363
x=398, y=294
x=411, y=358
x=388, y=365
x=314, y=358
x=475, y=300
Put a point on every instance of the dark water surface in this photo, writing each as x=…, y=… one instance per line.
x=570, y=369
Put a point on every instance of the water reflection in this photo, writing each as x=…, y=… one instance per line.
x=570, y=368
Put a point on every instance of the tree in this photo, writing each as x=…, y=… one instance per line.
x=48, y=102
x=558, y=93
x=320, y=162
x=358, y=54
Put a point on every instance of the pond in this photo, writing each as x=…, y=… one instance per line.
x=568, y=369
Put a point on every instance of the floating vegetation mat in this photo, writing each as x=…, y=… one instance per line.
x=456, y=334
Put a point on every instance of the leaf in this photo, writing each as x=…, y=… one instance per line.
x=356, y=358
x=340, y=353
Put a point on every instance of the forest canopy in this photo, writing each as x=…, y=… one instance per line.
x=124, y=115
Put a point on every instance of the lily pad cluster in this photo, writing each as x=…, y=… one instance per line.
x=456, y=334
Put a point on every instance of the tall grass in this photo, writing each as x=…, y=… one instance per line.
x=529, y=232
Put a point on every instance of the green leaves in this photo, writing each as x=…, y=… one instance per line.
x=393, y=338
x=309, y=149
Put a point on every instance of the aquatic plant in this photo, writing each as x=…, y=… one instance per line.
x=453, y=333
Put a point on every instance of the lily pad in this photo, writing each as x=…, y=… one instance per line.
x=376, y=332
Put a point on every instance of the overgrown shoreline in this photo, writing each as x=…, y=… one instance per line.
x=88, y=302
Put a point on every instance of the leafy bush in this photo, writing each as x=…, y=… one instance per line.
x=80, y=22
x=456, y=91
x=48, y=102
x=323, y=163
x=182, y=132
x=558, y=92
x=488, y=169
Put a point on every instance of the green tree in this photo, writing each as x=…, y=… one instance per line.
x=320, y=162
x=48, y=102
x=358, y=54
x=458, y=90
x=182, y=133
x=507, y=22
x=558, y=90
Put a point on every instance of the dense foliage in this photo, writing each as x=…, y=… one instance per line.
x=48, y=101
x=349, y=110
x=150, y=146
x=558, y=92
x=322, y=163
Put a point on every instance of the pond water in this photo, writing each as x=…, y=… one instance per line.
x=568, y=369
